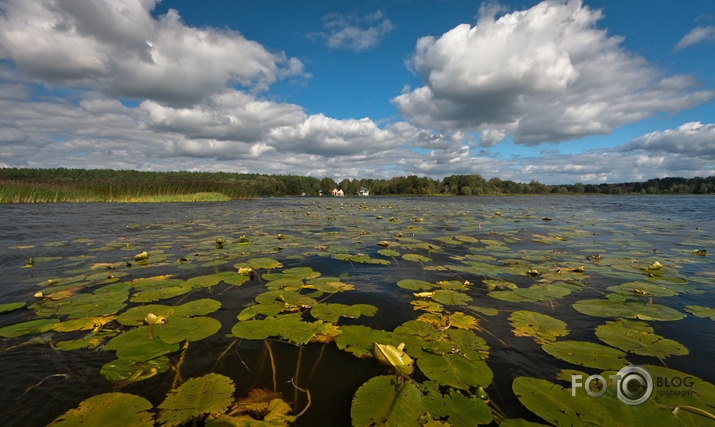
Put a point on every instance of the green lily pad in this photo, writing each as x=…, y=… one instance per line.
x=416, y=258
x=27, y=328
x=329, y=285
x=135, y=315
x=358, y=339
x=210, y=394
x=455, y=408
x=539, y=326
x=266, y=309
x=633, y=310
x=587, y=354
x=447, y=297
x=455, y=371
x=557, y=406
x=637, y=337
x=415, y=285
x=388, y=252
x=642, y=288
x=132, y=371
x=109, y=409
x=160, y=293
x=177, y=329
x=203, y=281
x=258, y=263
x=199, y=307
x=136, y=345
x=383, y=401
x=331, y=312
x=542, y=292
x=288, y=326
x=700, y=311
x=487, y=311
x=415, y=335
x=467, y=344
x=510, y=296
x=5, y=308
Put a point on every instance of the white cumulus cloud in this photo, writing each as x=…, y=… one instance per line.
x=543, y=74
x=118, y=48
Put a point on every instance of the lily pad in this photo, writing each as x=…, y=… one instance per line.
x=383, y=401
x=447, y=297
x=210, y=394
x=109, y=409
x=132, y=371
x=456, y=408
x=633, y=310
x=135, y=315
x=455, y=371
x=539, y=326
x=416, y=258
x=159, y=293
x=587, y=354
x=358, y=339
x=199, y=307
x=5, y=308
x=542, y=292
x=331, y=312
x=557, y=406
x=700, y=311
x=27, y=328
x=642, y=288
x=415, y=284
x=637, y=337
x=178, y=329
x=136, y=345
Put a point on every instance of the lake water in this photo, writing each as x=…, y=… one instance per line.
x=481, y=240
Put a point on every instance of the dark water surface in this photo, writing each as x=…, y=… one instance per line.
x=40, y=382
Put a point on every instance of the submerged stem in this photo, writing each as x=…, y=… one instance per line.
x=273, y=364
x=224, y=353
x=177, y=378
x=307, y=393
x=297, y=372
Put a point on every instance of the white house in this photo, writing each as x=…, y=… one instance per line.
x=363, y=192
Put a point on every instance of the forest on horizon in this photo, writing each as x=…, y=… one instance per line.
x=60, y=184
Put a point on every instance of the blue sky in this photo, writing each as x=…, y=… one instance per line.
x=557, y=91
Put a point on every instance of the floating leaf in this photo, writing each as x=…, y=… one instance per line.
x=642, y=288
x=557, y=406
x=542, y=292
x=109, y=409
x=456, y=408
x=539, y=326
x=160, y=293
x=383, y=401
x=455, y=371
x=4, y=308
x=329, y=285
x=131, y=371
x=210, y=394
x=587, y=354
x=700, y=311
x=27, y=328
x=82, y=324
x=416, y=258
x=634, y=310
x=199, y=307
x=637, y=337
x=415, y=285
x=136, y=315
x=135, y=344
x=447, y=297
x=358, y=339
x=394, y=356
x=178, y=329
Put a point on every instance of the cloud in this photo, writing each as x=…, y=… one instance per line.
x=344, y=31
x=692, y=139
x=542, y=74
x=119, y=49
x=695, y=36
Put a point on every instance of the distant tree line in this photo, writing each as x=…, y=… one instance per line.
x=107, y=183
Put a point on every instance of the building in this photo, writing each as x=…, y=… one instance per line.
x=364, y=192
